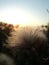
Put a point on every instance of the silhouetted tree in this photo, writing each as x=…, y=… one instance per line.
x=3, y=38
x=48, y=31
x=27, y=46
x=4, y=34
x=31, y=47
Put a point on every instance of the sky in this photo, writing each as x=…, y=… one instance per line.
x=25, y=12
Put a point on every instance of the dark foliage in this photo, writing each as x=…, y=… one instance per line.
x=4, y=34
x=32, y=50
x=3, y=38
x=26, y=56
x=48, y=32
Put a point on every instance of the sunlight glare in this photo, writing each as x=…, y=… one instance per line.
x=16, y=16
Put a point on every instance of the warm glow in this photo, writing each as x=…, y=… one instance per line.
x=17, y=16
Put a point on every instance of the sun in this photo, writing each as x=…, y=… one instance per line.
x=15, y=16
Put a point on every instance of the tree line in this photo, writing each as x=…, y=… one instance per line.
x=32, y=50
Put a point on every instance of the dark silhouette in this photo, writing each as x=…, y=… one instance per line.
x=3, y=38
x=5, y=31
x=28, y=46
x=31, y=47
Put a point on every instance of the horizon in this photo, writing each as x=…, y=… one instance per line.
x=24, y=12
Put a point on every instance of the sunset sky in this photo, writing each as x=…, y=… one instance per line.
x=25, y=12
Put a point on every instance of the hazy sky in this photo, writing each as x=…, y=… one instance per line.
x=24, y=11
